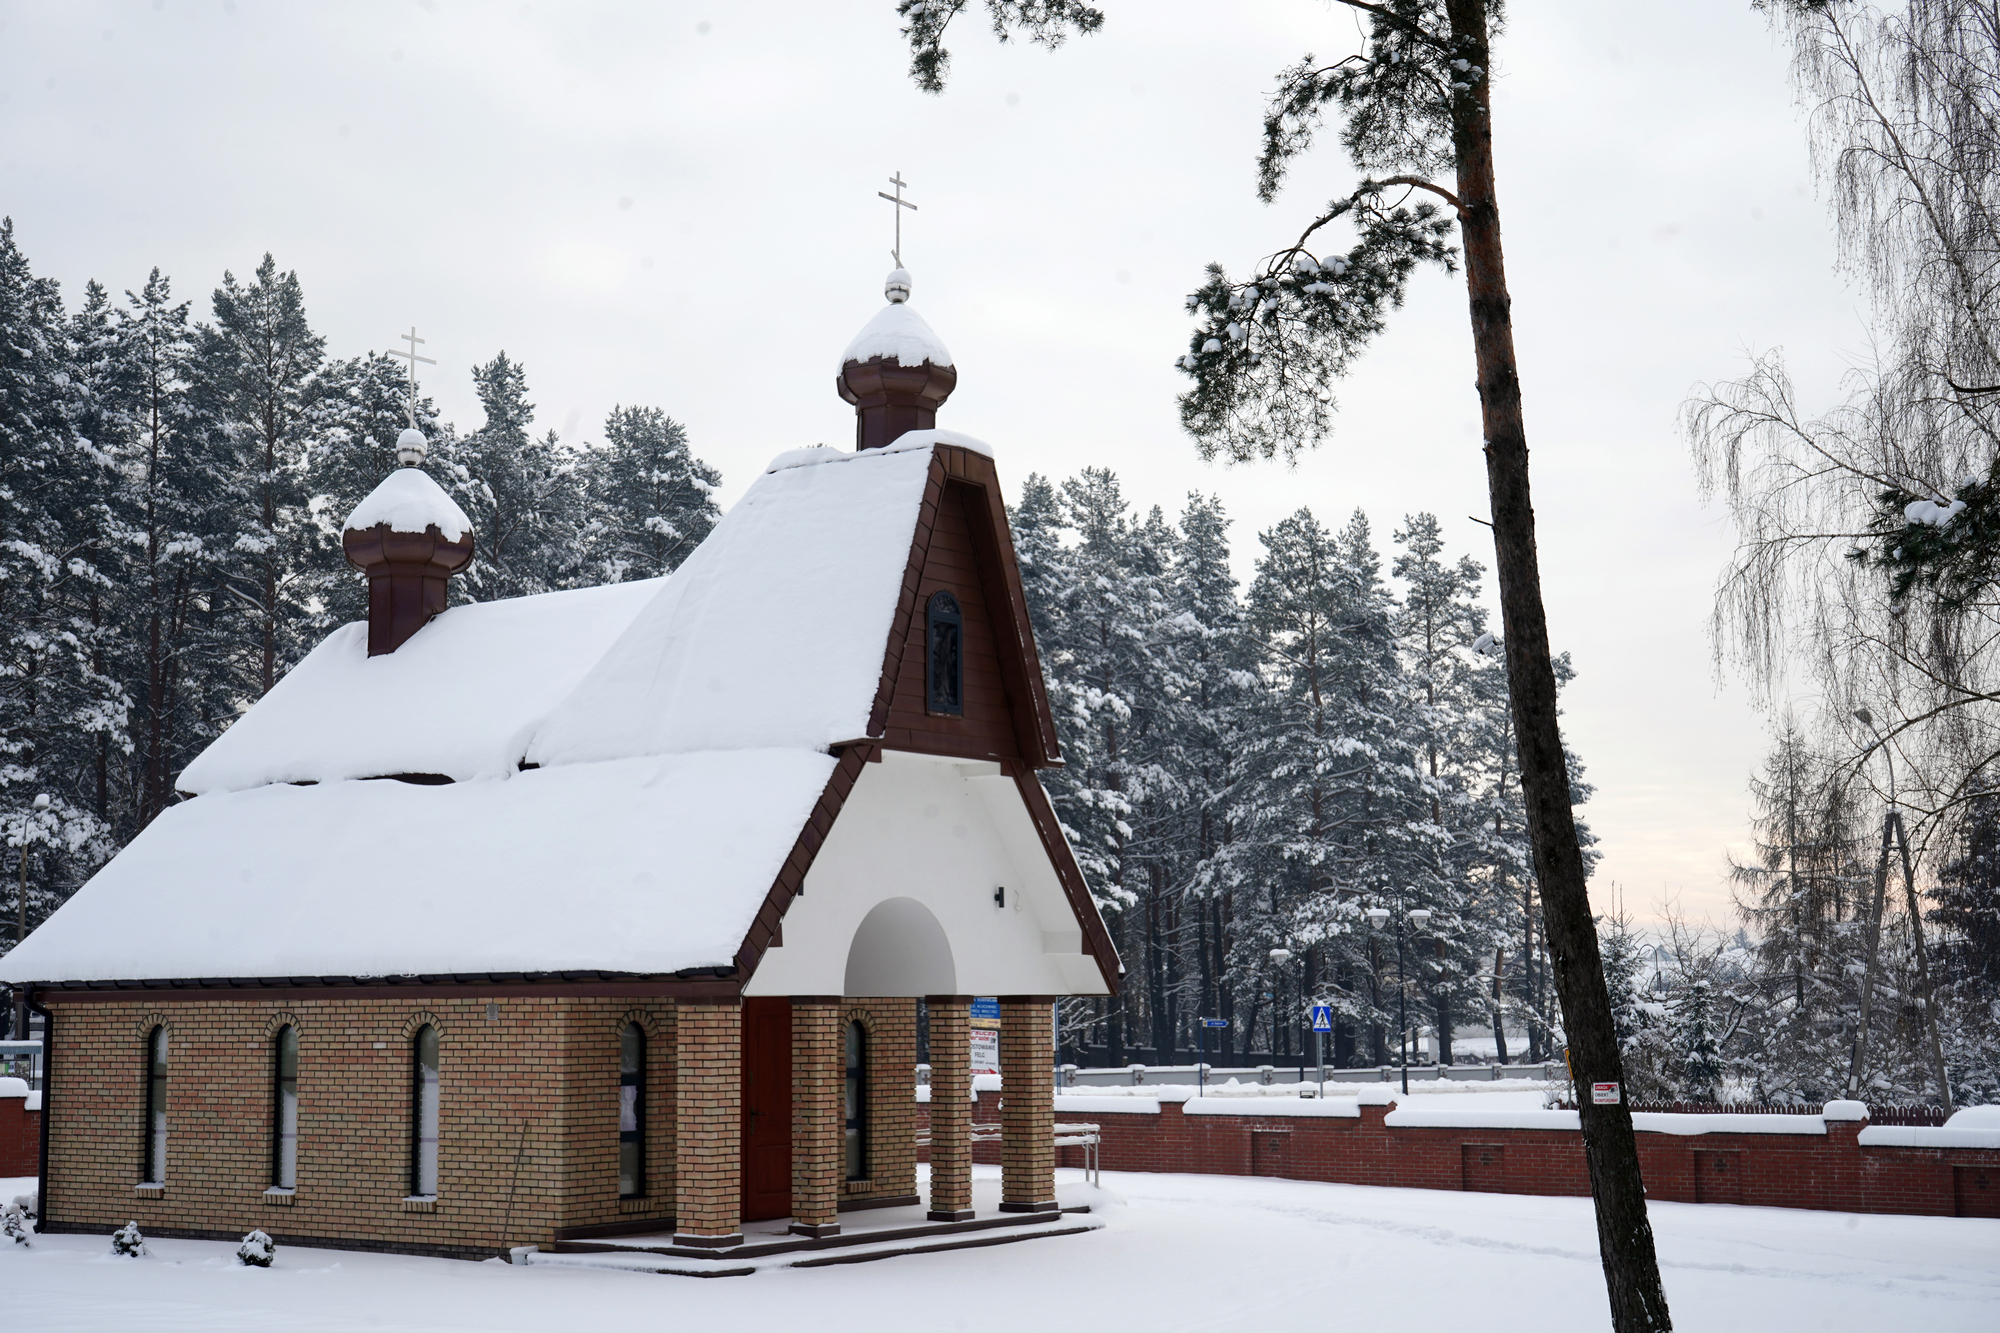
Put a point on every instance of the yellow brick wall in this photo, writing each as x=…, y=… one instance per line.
x=528, y=1119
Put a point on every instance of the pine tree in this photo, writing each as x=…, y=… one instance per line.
x=54, y=700
x=256, y=375
x=648, y=500
x=1692, y=1039
x=520, y=492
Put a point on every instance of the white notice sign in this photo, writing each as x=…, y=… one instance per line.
x=985, y=1051
x=1604, y=1094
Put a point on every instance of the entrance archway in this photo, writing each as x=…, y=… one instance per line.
x=899, y=949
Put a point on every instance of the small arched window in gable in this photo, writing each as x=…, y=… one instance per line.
x=946, y=666
x=631, y=1111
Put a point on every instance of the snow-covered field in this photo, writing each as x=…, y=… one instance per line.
x=1183, y=1252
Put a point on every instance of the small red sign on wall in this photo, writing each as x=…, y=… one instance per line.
x=1604, y=1094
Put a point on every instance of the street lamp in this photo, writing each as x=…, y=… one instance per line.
x=1419, y=917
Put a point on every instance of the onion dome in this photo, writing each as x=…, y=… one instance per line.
x=409, y=538
x=896, y=372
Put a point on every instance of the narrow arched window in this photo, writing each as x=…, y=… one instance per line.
x=424, y=1113
x=285, y=1108
x=947, y=659
x=154, y=1168
x=857, y=1102
x=631, y=1111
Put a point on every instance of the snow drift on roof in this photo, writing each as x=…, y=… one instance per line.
x=899, y=333
x=772, y=633
x=460, y=698
x=409, y=501
x=815, y=454
x=645, y=865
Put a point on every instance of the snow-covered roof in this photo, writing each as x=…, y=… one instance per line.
x=644, y=865
x=409, y=501
x=899, y=333
x=681, y=728
x=772, y=632
x=460, y=698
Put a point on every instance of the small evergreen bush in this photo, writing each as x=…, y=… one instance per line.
x=14, y=1224
x=128, y=1241
x=257, y=1250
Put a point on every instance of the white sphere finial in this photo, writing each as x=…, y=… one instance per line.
x=897, y=285
x=411, y=447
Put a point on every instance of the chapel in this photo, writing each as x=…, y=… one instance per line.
x=606, y=912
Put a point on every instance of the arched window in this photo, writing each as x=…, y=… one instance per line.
x=857, y=1101
x=285, y=1109
x=631, y=1111
x=424, y=1113
x=154, y=1171
x=947, y=665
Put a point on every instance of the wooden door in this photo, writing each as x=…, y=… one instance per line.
x=1718, y=1177
x=767, y=1108
x=1483, y=1167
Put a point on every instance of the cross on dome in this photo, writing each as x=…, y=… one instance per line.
x=901, y=204
x=410, y=445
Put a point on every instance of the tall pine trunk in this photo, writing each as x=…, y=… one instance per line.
x=1624, y=1235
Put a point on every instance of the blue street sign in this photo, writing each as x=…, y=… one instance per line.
x=1215, y=1022
x=1322, y=1018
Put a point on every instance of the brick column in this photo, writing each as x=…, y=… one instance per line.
x=951, y=1108
x=819, y=1161
x=708, y=1123
x=1027, y=1106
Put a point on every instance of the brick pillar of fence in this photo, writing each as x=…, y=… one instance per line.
x=951, y=1107
x=1027, y=1106
x=708, y=1100
x=818, y=1110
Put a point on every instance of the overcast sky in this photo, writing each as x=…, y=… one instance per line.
x=674, y=205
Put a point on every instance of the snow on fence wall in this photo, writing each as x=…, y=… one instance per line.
x=1824, y=1161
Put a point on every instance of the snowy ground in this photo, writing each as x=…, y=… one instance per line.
x=1181, y=1252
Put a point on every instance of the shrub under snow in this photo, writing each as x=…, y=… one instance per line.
x=257, y=1250
x=128, y=1241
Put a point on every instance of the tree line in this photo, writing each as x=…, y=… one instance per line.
x=172, y=492
x=1250, y=770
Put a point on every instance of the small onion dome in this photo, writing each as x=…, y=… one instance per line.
x=409, y=538
x=896, y=372
x=411, y=447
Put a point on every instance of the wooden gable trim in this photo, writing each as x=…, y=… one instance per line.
x=1096, y=938
x=1007, y=601
x=767, y=928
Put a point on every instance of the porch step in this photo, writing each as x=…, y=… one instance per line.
x=638, y=1256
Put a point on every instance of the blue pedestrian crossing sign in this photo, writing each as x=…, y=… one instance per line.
x=1322, y=1018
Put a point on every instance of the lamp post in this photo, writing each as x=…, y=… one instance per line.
x=1418, y=917
x=1279, y=957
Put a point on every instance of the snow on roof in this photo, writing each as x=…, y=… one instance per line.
x=771, y=634
x=409, y=501
x=909, y=441
x=460, y=698
x=643, y=865
x=899, y=333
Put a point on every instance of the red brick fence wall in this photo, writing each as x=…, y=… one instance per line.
x=20, y=1137
x=1773, y=1161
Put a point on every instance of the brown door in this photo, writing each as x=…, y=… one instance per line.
x=767, y=1108
x=1483, y=1167
x=1718, y=1177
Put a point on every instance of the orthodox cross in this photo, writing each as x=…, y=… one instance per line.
x=411, y=356
x=901, y=204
